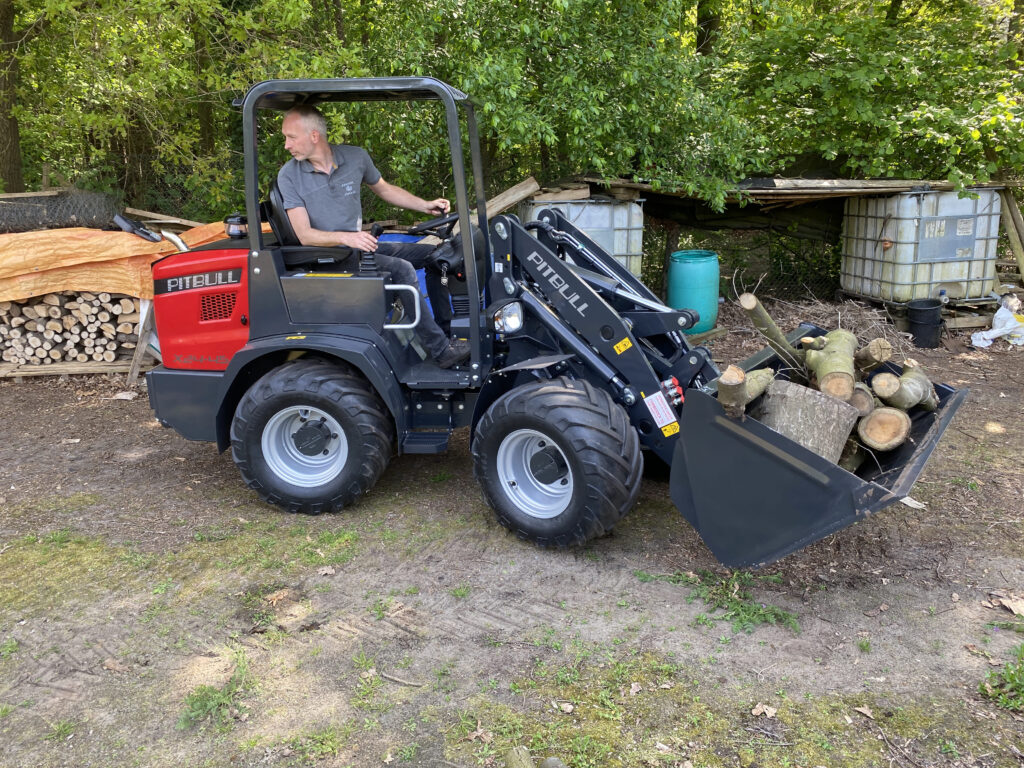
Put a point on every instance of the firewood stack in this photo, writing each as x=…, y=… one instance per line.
x=826, y=404
x=69, y=327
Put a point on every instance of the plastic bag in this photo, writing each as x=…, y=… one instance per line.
x=1004, y=324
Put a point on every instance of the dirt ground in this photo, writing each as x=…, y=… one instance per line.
x=139, y=578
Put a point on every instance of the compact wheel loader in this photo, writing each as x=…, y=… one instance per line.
x=312, y=377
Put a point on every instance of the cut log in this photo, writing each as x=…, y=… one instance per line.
x=819, y=422
x=792, y=357
x=863, y=399
x=833, y=364
x=736, y=388
x=872, y=355
x=912, y=388
x=884, y=428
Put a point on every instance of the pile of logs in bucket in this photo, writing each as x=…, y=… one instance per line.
x=825, y=401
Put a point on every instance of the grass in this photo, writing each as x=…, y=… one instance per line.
x=729, y=598
x=61, y=730
x=321, y=743
x=1006, y=686
x=219, y=706
x=8, y=648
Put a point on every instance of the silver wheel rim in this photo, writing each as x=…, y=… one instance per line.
x=518, y=457
x=292, y=465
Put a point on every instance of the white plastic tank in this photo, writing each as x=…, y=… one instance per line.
x=615, y=225
x=915, y=245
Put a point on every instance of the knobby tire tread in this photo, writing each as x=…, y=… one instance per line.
x=348, y=390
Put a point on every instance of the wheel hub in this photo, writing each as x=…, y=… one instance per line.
x=304, y=446
x=312, y=437
x=548, y=465
x=535, y=473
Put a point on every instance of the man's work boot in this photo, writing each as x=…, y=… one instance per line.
x=456, y=352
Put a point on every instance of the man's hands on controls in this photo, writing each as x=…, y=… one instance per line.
x=438, y=207
x=361, y=241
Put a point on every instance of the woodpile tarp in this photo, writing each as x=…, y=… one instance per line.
x=79, y=259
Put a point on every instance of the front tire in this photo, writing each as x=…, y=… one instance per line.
x=558, y=461
x=311, y=436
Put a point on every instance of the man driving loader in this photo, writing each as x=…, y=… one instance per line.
x=321, y=187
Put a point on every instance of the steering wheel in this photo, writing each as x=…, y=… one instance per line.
x=440, y=227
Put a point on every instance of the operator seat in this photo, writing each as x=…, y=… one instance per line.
x=295, y=254
x=280, y=224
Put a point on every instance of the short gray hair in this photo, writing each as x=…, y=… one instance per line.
x=312, y=118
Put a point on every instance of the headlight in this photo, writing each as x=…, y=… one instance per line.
x=508, y=318
x=236, y=226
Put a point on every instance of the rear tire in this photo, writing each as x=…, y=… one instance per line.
x=311, y=436
x=558, y=461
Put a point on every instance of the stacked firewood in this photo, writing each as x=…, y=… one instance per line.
x=69, y=327
x=832, y=399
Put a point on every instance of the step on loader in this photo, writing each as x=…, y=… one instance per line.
x=577, y=371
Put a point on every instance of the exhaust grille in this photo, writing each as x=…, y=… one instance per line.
x=217, y=306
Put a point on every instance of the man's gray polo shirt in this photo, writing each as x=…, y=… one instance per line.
x=331, y=200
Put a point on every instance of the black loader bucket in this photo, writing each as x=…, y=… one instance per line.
x=755, y=496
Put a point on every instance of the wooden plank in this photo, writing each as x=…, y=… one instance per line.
x=9, y=370
x=512, y=196
x=142, y=348
x=968, y=321
x=19, y=195
x=564, y=195
x=159, y=217
x=1014, y=226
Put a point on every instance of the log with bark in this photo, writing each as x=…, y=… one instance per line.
x=884, y=428
x=872, y=355
x=832, y=365
x=737, y=389
x=792, y=357
x=819, y=422
x=912, y=388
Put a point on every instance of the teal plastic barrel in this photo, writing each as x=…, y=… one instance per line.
x=693, y=284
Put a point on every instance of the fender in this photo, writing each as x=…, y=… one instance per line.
x=177, y=404
x=501, y=381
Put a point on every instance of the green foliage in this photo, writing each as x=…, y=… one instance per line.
x=135, y=99
x=220, y=705
x=1006, y=686
x=8, y=648
x=731, y=595
x=933, y=94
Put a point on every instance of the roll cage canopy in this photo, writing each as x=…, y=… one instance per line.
x=281, y=95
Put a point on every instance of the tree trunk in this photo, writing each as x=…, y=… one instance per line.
x=11, y=174
x=709, y=20
x=204, y=109
x=893, y=13
x=819, y=422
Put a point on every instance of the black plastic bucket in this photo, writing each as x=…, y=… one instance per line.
x=925, y=319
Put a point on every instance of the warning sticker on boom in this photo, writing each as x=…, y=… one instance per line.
x=662, y=413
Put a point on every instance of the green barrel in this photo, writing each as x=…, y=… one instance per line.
x=693, y=284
